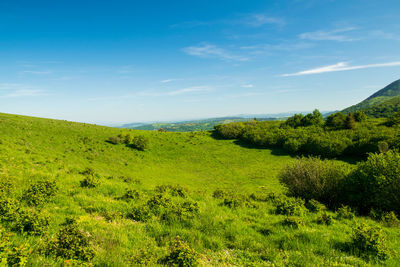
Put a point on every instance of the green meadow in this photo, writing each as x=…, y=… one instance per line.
x=188, y=199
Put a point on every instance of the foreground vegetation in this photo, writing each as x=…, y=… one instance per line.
x=82, y=194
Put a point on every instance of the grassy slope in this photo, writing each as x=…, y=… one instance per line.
x=32, y=148
x=381, y=96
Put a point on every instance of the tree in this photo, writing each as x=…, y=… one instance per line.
x=350, y=121
x=336, y=121
x=360, y=116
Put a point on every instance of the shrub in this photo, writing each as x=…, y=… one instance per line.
x=90, y=181
x=114, y=140
x=158, y=201
x=234, y=201
x=180, y=211
x=231, y=130
x=173, y=190
x=131, y=194
x=289, y=206
x=313, y=178
x=180, y=254
x=345, y=212
x=139, y=213
x=325, y=218
x=32, y=222
x=369, y=243
x=221, y=193
x=18, y=255
x=140, y=142
x=40, y=192
x=376, y=183
x=71, y=243
x=390, y=219
x=9, y=209
x=293, y=222
x=314, y=206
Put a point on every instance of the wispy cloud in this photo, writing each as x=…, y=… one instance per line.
x=247, y=85
x=334, y=35
x=37, y=72
x=208, y=50
x=384, y=35
x=342, y=66
x=194, y=89
x=24, y=93
x=168, y=80
x=257, y=20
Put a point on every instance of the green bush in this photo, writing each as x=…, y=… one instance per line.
x=313, y=178
x=293, y=222
x=90, y=181
x=180, y=211
x=71, y=243
x=375, y=184
x=369, y=242
x=40, y=192
x=173, y=190
x=139, y=213
x=390, y=219
x=221, y=193
x=18, y=255
x=114, y=140
x=31, y=222
x=289, y=206
x=345, y=212
x=180, y=254
x=315, y=206
x=231, y=130
x=9, y=209
x=131, y=194
x=325, y=218
x=140, y=142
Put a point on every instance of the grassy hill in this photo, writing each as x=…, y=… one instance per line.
x=240, y=231
x=384, y=98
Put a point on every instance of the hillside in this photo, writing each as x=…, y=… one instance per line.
x=380, y=97
x=193, y=193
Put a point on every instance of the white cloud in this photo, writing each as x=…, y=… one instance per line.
x=257, y=20
x=335, y=35
x=24, y=93
x=194, y=89
x=247, y=86
x=37, y=72
x=208, y=50
x=342, y=66
x=168, y=80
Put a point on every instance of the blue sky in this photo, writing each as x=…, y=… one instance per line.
x=129, y=61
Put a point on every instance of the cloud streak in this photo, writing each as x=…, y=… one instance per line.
x=335, y=35
x=342, y=66
x=212, y=51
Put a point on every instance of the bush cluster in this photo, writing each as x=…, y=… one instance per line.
x=334, y=139
x=372, y=184
x=289, y=206
x=180, y=254
x=139, y=142
x=40, y=192
x=70, y=243
x=369, y=242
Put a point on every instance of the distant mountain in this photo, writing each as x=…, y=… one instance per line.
x=189, y=126
x=381, y=103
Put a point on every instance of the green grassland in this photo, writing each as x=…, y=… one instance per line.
x=244, y=232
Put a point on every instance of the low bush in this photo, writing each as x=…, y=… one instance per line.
x=180, y=211
x=313, y=178
x=315, y=206
x=90, y=181
x=180, y=254
x=230, y=130
x=140, y=213
x=289, y=206
x=114, y=140
x=390, y=219
x=140, y=142
x=325, y=218
x=40, y=192
x=71, y=243
x=9, y=209
x=345, y=212
x=173, y=190
x=293, y=222
x=375, y=184
x=221, y=193
x=369, y=242
x=31, y=221
x=131, y=194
